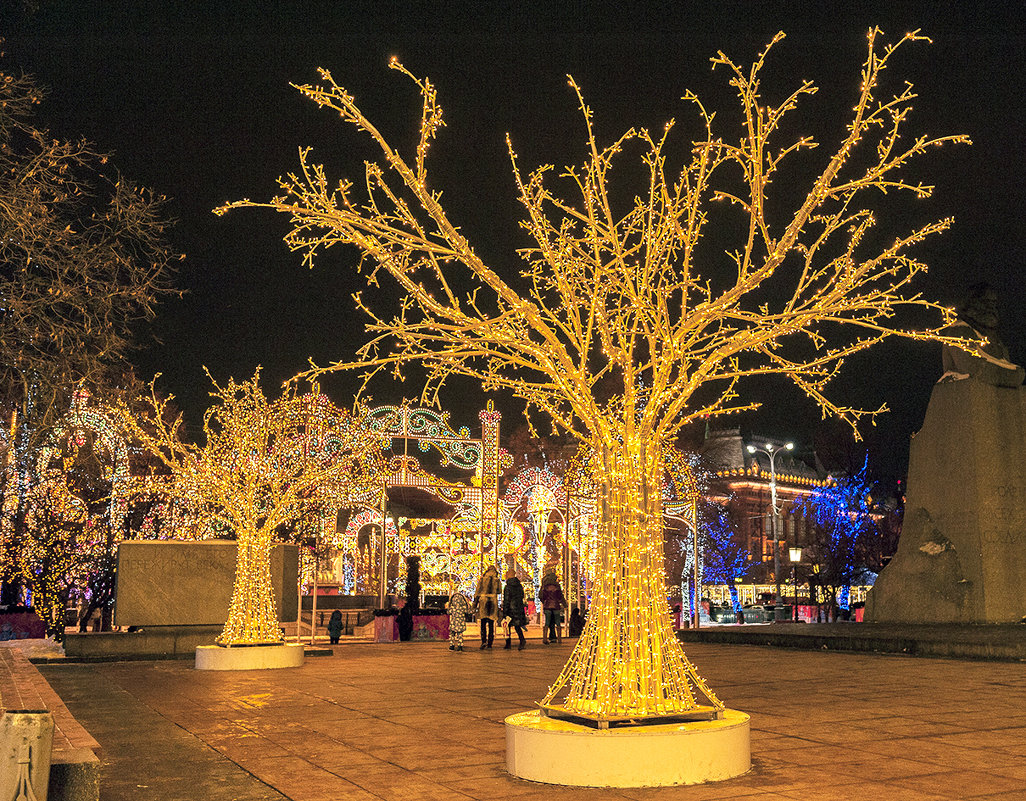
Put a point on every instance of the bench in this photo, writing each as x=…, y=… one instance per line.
x=74, y=768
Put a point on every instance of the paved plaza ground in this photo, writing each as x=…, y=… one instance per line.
x=416, y=722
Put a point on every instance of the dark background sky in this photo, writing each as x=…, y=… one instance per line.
x=194, y=101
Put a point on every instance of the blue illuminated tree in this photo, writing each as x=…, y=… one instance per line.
x=722, y=553
x=844, y=534
x=727, y=560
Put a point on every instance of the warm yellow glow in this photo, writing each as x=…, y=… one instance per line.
x=265, y=464
x=615, y=297
x=628, y=662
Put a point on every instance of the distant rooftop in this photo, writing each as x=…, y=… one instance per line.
x=726, y=451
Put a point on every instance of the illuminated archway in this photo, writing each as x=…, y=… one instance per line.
x=467, y=541
x=535, y=513
x=81, y=418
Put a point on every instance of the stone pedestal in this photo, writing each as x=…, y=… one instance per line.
x=249, y=657
x=962, y=553
x=553, y=751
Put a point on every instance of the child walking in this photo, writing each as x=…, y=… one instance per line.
x=457, y=607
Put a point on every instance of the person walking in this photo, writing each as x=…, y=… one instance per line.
x=457, y=608
x=513, y=609
x=335, y=626
x=486, y=604
x=553, y=603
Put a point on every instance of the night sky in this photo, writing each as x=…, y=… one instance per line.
x=196, y=104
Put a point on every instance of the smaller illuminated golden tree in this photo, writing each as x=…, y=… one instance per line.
x=56, y=548
x=265, y=464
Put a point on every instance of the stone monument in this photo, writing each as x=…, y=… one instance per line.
x=189, y=582
x=962, y=553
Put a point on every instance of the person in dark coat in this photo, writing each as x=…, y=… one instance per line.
x=486, y=604
x=575, y=625
x=513, y=609
x=335, y=626
x=553, y=603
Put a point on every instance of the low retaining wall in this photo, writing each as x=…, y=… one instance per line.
x=1005, y=642
x=151, y=642
x=74, y=768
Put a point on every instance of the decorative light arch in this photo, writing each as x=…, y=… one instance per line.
x=82, y=417
x=349, y=543
x=536, y=493
x=475, y=501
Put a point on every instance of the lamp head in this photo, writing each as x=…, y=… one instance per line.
x=795, y=554
x=751, y=449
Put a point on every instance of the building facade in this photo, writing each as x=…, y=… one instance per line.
x=743, y=482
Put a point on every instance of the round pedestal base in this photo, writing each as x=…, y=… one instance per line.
x=555, y=751
x=249, y=657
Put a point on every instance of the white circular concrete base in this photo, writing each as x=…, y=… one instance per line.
x=555, y=751
x=249, y=657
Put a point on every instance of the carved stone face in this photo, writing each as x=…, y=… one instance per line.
x=981, y=309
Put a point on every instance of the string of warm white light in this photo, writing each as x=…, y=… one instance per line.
x=615, y=298
x=265, y=465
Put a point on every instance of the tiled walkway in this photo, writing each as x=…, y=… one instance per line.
x=416, y=722
x=22, y=688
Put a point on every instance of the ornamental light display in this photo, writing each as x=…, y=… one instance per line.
x=60, y=547
x=622, y=289
x=75, y=499
x=265, y=465
x=539, y=495
x=844, y=534
x=683, y=488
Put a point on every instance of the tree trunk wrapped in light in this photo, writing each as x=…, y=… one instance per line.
x=628, y=661
x=252, y=617
x=622, y=291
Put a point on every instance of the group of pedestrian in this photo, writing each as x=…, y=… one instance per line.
x=512, y=614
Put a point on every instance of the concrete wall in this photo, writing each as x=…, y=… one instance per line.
x=189, y=583
x=156, y=642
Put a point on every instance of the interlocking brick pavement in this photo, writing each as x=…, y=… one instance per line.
x=416, y=722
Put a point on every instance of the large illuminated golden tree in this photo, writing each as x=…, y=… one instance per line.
x=618, y=289
x=265, y=464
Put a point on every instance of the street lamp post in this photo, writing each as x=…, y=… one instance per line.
x=796, y=557
x=771, y=452
x=696, y=607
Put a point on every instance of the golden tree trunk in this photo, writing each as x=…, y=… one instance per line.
x=251, y=616
x=628, y=661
